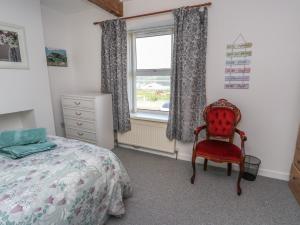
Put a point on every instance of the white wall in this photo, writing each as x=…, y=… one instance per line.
x=270, y=108
x=56, y=33
x=86, y=47
x=76, y=33
x=27, y=89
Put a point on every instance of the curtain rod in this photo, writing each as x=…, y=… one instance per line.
x=159, y=12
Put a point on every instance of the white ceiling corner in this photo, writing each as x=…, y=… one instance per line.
x=67, y=6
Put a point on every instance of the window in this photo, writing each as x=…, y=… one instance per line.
x=151, y=53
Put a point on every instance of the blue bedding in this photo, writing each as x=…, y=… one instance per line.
x=16, y=152
x=76, y=183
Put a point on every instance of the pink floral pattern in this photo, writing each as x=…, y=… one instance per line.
x=64, y=186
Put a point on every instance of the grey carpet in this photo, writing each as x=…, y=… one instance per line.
x=163, y=195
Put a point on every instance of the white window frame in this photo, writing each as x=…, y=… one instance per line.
x=132, y=64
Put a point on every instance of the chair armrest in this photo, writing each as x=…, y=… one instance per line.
x=196, y=133
x=242, y=134
x=198, y=129
x=243, y=139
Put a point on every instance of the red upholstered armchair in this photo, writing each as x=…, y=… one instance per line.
x=221, y=120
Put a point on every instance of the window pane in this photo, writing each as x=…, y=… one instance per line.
x=153, y=92
x=154, y=52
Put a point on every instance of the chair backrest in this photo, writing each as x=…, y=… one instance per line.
x=221, y=118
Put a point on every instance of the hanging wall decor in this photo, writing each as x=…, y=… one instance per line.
x=13, y=53
x=56, y=57
x=238, y=64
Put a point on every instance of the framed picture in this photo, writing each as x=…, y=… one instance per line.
x=13, y=52
x=56, y=57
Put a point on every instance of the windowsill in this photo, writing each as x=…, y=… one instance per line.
x=149, y=117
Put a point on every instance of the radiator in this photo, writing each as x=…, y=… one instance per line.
x=148, y=134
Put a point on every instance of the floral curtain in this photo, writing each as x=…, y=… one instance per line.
x=188, y=90
x=114, y=71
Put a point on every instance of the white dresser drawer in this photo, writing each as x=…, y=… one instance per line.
x=80, y=124
x=88, y=118
x=79, y=134
x=78, y=103
x=79, y=114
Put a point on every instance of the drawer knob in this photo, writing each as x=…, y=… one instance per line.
x=298, y=161
x=294, y=178
x=78, y=113
x=80, y=134
x=77, y=103
x=79, y=124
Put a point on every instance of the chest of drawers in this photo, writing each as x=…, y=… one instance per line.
x=294, y=182
x=88, y=117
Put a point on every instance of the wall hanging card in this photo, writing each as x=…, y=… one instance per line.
x=56, y=57
x=238, y=64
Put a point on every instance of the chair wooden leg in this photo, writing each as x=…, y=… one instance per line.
x=194, y=168
x=205, y=165
x=239, y=190
x=229, y=169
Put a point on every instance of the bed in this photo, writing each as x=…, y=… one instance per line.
x=76, y=183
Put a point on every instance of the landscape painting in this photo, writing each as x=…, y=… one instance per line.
x=56, y=57
x=12, y=47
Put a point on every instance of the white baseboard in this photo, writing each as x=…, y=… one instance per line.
x=274, y=174
x=188, y=157
x=262, y=172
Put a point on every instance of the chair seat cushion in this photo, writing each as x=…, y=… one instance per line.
x=219, y=151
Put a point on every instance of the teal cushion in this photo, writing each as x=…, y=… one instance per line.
x=22, y=137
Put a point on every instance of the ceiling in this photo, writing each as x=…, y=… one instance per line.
x=69, y=6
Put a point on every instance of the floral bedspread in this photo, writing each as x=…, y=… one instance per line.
x=76, y=183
